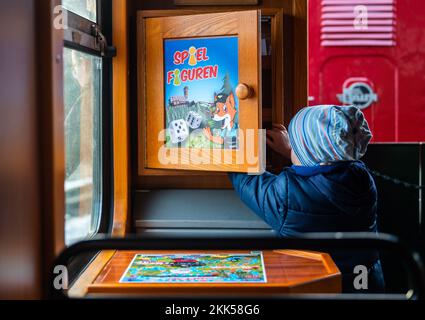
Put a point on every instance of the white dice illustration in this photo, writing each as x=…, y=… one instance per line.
x=178, y=131
x=194, y=120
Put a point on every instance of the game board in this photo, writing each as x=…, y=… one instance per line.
x=199, y=268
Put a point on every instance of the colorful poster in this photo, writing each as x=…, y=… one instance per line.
x=196, y=268
x=201, y=109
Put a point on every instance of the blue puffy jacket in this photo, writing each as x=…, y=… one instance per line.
x=341, y=197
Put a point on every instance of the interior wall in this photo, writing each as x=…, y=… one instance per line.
x=20, y=221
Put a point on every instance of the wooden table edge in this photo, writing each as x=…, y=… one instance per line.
x=84, y=285
x=81, y=286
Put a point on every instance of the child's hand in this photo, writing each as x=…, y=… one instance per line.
x=278, y=140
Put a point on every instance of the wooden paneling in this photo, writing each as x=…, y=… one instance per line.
x=31, y=147
x=52, y=138
x=300, y=51
x=214, y=2
x=287, y=271
x=20, y=244
x=120, y=117
x=278, y=37
x=80, y=287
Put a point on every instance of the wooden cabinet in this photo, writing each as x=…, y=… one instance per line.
x=200, y=92
x=279, y=40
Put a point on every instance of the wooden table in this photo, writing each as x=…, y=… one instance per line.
x=287, y=271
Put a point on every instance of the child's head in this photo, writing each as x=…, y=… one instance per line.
x=328, y=133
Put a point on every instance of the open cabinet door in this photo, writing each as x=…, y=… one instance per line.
x=201, y=92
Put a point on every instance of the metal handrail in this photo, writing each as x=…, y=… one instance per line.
x=310, y=241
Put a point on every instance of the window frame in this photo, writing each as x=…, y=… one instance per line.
x=81, y=28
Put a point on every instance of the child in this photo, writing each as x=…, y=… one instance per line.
x=326, y=190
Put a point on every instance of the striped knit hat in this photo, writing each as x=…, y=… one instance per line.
x=327, y=133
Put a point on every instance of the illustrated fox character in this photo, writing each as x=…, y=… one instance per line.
x=225, y=110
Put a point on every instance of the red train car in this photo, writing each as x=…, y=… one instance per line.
x=371, y=53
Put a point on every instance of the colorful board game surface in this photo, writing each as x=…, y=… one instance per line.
x=199, y=268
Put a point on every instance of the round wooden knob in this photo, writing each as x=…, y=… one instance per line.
x=243, y=91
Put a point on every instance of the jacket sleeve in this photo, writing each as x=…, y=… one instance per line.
x=264, y=194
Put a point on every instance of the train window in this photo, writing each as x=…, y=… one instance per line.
x=84, y=8
x=85, y=74
x=82, y=78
